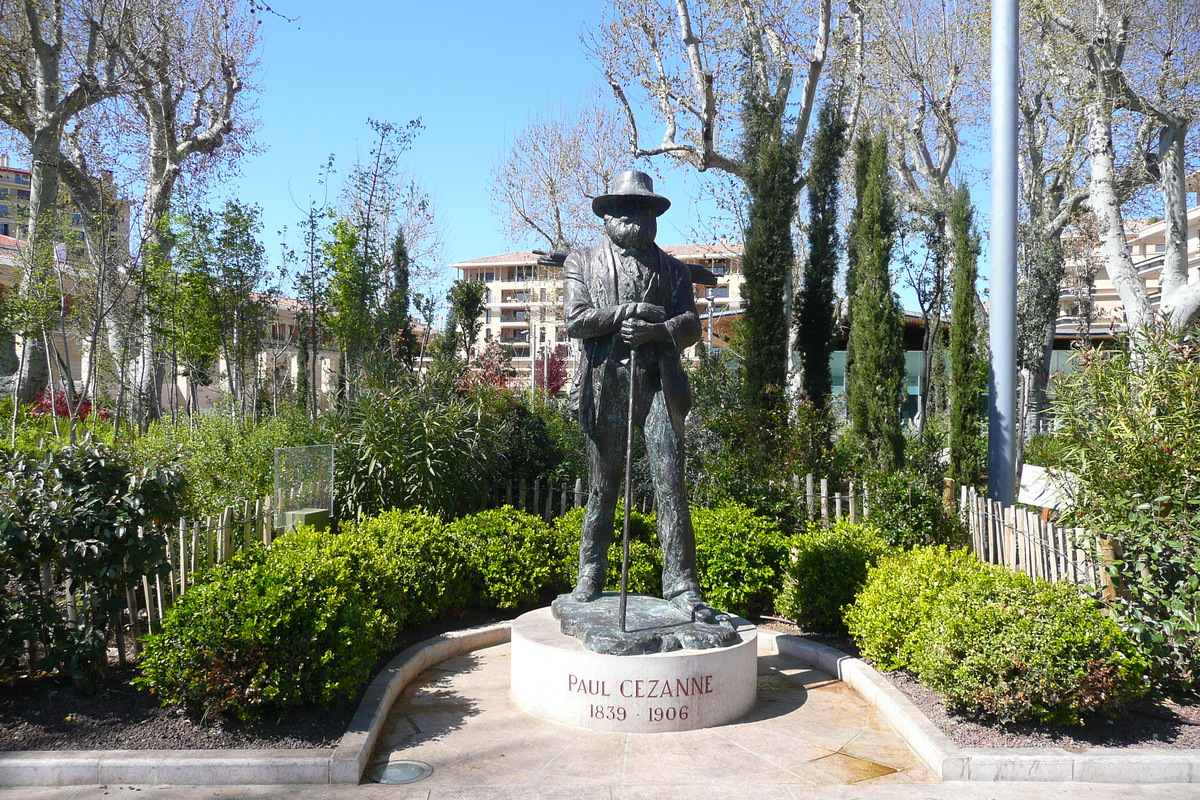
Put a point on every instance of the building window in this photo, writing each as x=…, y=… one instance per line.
x=21, y=179
x=77, y=219
x=1160, y=248
x=3, y=194
x=721, y=291
x=4, y=210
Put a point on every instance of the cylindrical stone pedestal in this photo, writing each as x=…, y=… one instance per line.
x=555, y=678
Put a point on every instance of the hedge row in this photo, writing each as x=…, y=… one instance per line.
x=993, y=641
x=305, y=620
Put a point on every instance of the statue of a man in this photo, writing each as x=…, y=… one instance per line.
x=619, y=294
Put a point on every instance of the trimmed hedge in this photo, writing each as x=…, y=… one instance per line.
x=645, y=558
x=739, y=558
x=898, y=597
x=301, y=622
x=828, y=565
x=512, y=551
x=995, y=642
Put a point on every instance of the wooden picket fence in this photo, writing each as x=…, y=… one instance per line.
x=192, y=547
x=1025, y=542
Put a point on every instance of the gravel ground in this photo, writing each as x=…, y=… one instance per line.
x=48, y=714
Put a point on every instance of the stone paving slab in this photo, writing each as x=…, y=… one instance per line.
x=807, y=729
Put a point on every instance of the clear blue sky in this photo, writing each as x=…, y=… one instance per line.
x=473, y=70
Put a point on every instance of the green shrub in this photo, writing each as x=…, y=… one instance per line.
x=645, y=557
x=433, y=573
x=1128, y=431
x=898, y=597
x=909, y=511
x=1020, y=649
x=224, y=460
x=513, y=551
x=301, y=622
x=86, y=516
x=828, y=565
x=411, y=449
x=739, y=558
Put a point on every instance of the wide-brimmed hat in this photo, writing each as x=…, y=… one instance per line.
x=631, y=185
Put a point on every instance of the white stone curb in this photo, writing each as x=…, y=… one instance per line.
x=953, y=763
x=343, y=764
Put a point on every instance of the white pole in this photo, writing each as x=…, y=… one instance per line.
x=1002, y=393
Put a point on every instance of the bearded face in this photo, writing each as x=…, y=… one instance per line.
x=632, y=227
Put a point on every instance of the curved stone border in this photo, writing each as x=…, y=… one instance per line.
x=951, y=762
x=342, y=764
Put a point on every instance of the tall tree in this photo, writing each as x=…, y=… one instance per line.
x=769, y=255
x=468, y=301
x=967, y=378
x=351, y=301
x=815, y=312
x=875, y=382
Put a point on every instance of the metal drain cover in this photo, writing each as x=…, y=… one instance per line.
x=402, y=771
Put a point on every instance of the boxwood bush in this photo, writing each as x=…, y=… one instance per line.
x=898, y=597
x=645, y=558
x=828, y=565
x=512, y=551
x=1019, y=649
x=300, y=622
x=434, y=576
x=739, y=558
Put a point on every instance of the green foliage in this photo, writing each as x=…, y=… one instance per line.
x=967, y=371
x=411, y=448
x=994, y=641
x=83, y=516
x=467, y=300
x=434, y=576
x=829, y=564
x=37, y=435
x=739, y=558
x=301, y=622
x=1020, y=649
x=512, y=550
x=908, y=510
x=898, y=598
x=645, y=558
x=771, y=159
x=352, y=289
x=224, y=459
x=1129, y=434
x=729, y=459
x=815, y=312
x=875, y=379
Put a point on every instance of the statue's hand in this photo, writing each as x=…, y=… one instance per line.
x=650, y=312
x=636, y=331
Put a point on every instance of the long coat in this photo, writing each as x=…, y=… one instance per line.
x=594, y=314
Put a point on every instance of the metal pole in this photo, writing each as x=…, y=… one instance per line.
x=628, y=491
x=1002, y=395
x=712, y=296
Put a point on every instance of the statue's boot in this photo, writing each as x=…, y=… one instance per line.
x=586, y=589
x=690, y=602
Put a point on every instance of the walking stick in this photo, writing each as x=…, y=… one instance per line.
x=628, y=490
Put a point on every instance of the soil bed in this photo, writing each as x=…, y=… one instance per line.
x=1171, y=724
x=49, y=714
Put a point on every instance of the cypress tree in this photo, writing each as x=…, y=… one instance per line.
x=967, y=377
x=815, y=310
x=770, y=157
x=875, y=383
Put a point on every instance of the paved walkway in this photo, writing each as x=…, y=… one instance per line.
x=810, y=737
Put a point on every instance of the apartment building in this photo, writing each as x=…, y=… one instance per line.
x=14, y=200
x=524, y=300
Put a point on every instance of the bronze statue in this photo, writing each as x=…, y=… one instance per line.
x=632, y=306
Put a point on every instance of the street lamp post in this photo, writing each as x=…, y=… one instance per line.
x=710, y=294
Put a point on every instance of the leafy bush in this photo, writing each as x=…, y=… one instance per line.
x=739, y=558
x=408, y=449
x=300, y=622
x=645, y=557
x=37, y=434
x=513, y=551
x=827, y=568
x=433, y=573
x=83, y=516
x=1157, y=576
x=1129, y=435
x=909, y=511
x=224, y=460
x=1020, y=649
x=898, y=598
